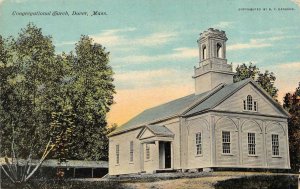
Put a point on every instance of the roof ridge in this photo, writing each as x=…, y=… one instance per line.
x=157, y=107
x=236, y=86
x=211, y=92
x=243, y=82
x=171, y=101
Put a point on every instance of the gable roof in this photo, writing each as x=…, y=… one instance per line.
x=156, y=130
x=164, y=111
x=160, y=130
x=217, y=97
x=189, y=105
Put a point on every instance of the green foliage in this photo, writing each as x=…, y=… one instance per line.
x=44, y=95
x=292, y=105
x=91, y=91
x=265, y=80
x=62, y=131
x=243, y=72
x=24, y=74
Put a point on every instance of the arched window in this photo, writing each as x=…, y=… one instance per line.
x=219, y=51
x=204, y=53
x=249, y=102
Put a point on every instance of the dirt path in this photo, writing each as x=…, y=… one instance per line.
x=186, y=183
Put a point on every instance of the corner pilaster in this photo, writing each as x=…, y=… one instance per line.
x=240, y=146
x=265, y=153
x=213, y=140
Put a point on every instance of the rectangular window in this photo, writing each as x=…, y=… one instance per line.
x=117, y=154
x=198, y=143
x=255, y=106
x=226, y=142
x=131, y=151
x=251, y=143
x=275, y=145
x=147, y=151
x=249, y=106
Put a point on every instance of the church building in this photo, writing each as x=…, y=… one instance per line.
x=221, y=125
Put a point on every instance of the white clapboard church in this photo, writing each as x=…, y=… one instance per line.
x=222, y=125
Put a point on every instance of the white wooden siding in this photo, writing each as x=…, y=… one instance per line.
x=226, y=124
x=257, y=160
x=152, y=163
x=196, y=126
x=281, y=160
x=235, y=102
x=124, y=166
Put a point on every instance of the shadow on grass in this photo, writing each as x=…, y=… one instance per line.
x=64, y=184
x=260, y=182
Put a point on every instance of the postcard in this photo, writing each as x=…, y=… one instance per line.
x=150, y=94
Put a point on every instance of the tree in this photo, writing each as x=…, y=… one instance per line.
x=265, y=80
x=292, y=105
x=31, y=76
x=28, y=71
x=243, y=72
x=40, y=90
x=92, y=92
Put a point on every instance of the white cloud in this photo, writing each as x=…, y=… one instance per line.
x=267, y=32
x=254, y=43
x=116, y=37
x=19, y=1
x=14, y=1
x=223, y=25
x=141, y=76
x=274, y=31
x=65, y=43
x=185, y=52
x=109, y=38
x=297, y=2
x=120, y=42
x=178, y=53
x=151, y=78
x=112, y=37
x=155, y=39
x=111, y=31
x=260, y=42
x=290, y=65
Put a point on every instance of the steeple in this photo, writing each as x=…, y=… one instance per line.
x=213, y=68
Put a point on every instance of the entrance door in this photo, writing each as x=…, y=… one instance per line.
x=167, y=155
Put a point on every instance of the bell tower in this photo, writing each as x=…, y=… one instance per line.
x=213, y=68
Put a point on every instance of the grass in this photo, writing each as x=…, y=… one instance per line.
x=260, y=182
x=218, y=180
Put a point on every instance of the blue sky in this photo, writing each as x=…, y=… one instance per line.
x=153, y=43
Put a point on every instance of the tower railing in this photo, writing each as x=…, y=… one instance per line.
x=212, y=65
